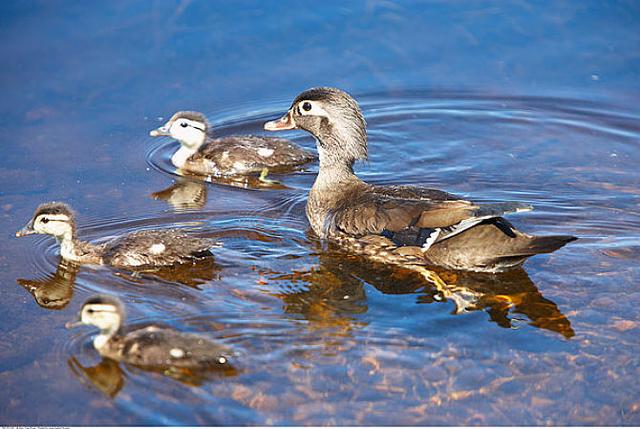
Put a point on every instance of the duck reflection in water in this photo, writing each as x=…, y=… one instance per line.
x=186, y=357
x=109, y=378
x=196, y=274
x=334, y=293
x=106, y=376
x=184, y=194
x=244, y=182
x=55, y=291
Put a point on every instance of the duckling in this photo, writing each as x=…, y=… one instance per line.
x=150, y=347
x=407, y=225
x=201, y=154
x=140, y=249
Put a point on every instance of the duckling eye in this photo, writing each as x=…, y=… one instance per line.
x=44, y=220
x=184, y=124
x=306, y=106
x=90, y=310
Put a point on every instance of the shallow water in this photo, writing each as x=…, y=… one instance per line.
x=322, y=337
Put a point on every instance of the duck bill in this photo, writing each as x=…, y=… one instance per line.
x=27, y=230
x=73, y=324
x=284, y=123
x=161, y=131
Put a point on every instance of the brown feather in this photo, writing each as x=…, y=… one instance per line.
x=240, y=155
x=135, y=249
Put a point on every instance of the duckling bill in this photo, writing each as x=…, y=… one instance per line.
x=149, y=347
x=140, y=249
x=202, y=154
x=407, y=225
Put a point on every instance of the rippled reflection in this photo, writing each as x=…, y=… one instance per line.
x=505, y=296
x=334, y=292
x=194, y=274
x=106, y=376
x=109, y=378
x=55, y=291
x=184, y=194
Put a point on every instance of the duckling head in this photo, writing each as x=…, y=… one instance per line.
x=104, y=312
x=334, y=118
x=189, y=128
x=56, y=219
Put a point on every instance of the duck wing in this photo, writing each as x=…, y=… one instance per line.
x=156, y=248
x=410, y=216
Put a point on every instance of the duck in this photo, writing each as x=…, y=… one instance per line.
x=406, y=225
x=150, y=346
x=201, y=154
x=136, y=250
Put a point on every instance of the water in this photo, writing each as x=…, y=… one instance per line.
x=493, y=102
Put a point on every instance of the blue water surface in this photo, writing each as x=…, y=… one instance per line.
x=531, y=101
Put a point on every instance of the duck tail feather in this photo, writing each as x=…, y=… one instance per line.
x=486, y=211
x=548, y=243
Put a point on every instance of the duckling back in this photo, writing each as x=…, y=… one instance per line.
x=156, y=248
x=247, y=154
x=162, y=348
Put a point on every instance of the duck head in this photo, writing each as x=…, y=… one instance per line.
x=334, y=118
x=104, y=312
x=56, y=219
x=189, y=128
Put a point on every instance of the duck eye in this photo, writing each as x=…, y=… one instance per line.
x=44, y=220
x=184, y=125
x=306, y=106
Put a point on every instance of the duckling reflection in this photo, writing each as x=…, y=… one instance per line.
x=55, y=291
x=188, y=358
x=199, y=272
x=184, y=194
x=107, y=376
x=247, y=182
x=334, y=292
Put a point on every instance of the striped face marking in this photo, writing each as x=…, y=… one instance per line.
x=97, y=308
x=46, y=218
x=310, y=108
x=104, y=316
x=57, y=225
x=188, y=132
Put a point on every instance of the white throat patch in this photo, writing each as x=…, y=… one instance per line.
x=58, y=225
